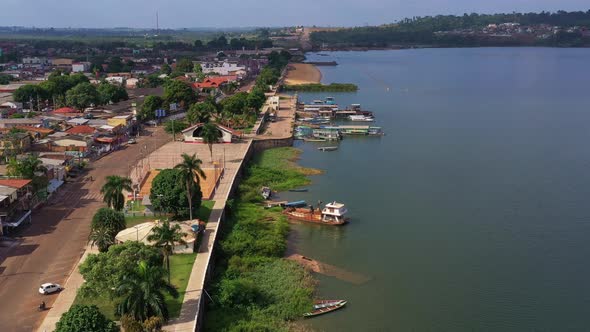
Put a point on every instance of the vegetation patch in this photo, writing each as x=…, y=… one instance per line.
x=254, y=289
x=318, y=87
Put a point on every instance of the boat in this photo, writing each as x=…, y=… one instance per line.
x=300, y=190
x=265, y=192
x=328, y=148
x=314, y=140
x=294, y=205
x=332, y=214
x=361, y=118
x=324, y=306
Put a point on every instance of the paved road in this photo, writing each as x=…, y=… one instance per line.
x=53, y=244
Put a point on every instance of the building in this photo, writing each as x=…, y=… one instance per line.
x=12, y=144
x=28, y=60
x=16, y=200
x=80, y=67
x=193, y=134
x=10, y=123
x=215, y=82
x=131, y=83
x=82, y=130
x=222, y=68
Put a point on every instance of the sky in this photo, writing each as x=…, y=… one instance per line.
x=250, y=13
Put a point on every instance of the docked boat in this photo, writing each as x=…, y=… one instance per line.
x=332, y=214
x=324, y=306
x=361, y=118
x=328, y=148
x=299, y=190
x=294, y=205
x=265, y=192
x=314, y=140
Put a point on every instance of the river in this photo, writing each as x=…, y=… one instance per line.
x=473, y=212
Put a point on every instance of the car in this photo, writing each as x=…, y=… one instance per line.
x=49, y=288
x=131, y=141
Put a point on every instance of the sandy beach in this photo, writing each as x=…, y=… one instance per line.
x=302, y=73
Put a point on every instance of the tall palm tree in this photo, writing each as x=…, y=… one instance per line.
x=191, y=171
x=112, y=191
x=142, y=293
x=103, y=238
x=165, y=237
x=210, y=134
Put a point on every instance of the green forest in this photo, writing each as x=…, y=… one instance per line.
x=420, y=31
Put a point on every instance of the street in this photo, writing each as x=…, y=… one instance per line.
x=52, y=245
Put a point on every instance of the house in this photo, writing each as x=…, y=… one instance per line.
x=77, y=121
x=80, y=67
x=215, y=82
x=12, y=144
x=16, y=200
x=131, y=83
x=36, y=132
x=74, y=143
x=29, y=60
x=193, y=134
x=66, y=110
x=10, y=123
x=82, y=130
x=115, y=80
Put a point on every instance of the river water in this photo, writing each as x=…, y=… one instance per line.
x=473, y=212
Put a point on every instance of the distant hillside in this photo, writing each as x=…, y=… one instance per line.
x=542, y=29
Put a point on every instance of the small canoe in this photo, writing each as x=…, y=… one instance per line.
x=324, y=306
x=295, y=204
x=302, y=190
x=328, y=148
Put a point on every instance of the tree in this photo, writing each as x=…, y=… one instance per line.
x=109, y=93
x=104, y=271
x=149, y=107
x=26, y=167
x=166, y=69
x=197, y=68
x=142, y=293
x=184, y=66
x=82, y=96
x=5, y=79
x=83, y=318
x=30, y=94
x=191, y=172
x=198, y=44
x=200, y=113
x=168, y=193
x=115, y=65
x=210, y=134
x=255, y=99
x=112, y=191
x=102, y=237
x=109, y=219
x=178, y=92
x=175, y=126
x=165, y=237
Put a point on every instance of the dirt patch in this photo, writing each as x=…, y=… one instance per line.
x=329, y=270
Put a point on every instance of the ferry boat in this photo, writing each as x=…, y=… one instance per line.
x=332, y=214
x=327, y=134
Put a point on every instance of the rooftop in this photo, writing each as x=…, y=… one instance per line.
x=14, y=183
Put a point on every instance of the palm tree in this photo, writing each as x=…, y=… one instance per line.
x=112, y=191
x=191, y=171
x=102, y=237
x=210, y=134
x=142, y=293
x=165, y=237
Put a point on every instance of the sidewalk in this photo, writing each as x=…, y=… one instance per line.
x=67, y=296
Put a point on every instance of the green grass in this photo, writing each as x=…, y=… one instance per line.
x=136, y=220
x=203, y=214
x=135, y=206
x=180, y=267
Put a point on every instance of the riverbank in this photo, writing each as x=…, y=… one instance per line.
x=317, y=87
x=254, y=287
x=302, y=73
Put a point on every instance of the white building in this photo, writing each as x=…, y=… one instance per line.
x=193, y=134
x=222, y=68
x=35, y=60
x=80, y=67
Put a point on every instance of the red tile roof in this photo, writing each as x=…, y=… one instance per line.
x=14, y=183
x=215, y=81
x=36, y=130
x=66, y=110
x=83, y=129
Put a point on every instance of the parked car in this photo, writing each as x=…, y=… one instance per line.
x=49, y=288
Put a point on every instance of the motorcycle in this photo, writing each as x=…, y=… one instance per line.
x=42, y=306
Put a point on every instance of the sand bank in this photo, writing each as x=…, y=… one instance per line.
x=302, y=73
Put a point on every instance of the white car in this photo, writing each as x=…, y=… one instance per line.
x=49, y=288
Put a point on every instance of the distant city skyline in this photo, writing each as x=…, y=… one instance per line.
x=251, y=13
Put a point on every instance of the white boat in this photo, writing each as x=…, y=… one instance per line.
x=328, y=148
x=361, y=118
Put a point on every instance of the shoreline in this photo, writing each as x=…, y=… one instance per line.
x=303, y=73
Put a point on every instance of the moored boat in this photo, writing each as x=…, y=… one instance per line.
x=361, y=118
x=324, y=306
x=328, y=148
x=332, y=214
x=300, y=190
x=265, y=192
